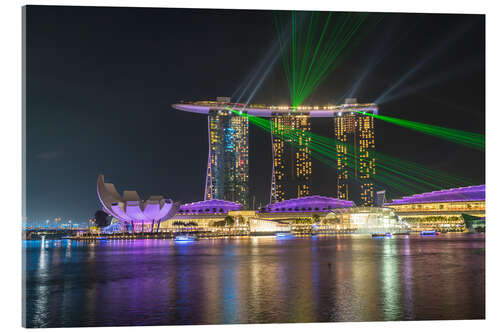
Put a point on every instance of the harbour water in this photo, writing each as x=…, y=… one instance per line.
x=254, y=280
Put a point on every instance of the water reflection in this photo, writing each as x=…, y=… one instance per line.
x=390, y=280
x=42, y=291
x=406, y=278
x=252, y=280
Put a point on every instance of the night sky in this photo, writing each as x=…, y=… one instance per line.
x=101, y=82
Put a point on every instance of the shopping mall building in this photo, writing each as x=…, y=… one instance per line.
x=441, y=210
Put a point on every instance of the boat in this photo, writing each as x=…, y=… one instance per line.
x=284, y=234
x=381, y=234
x=184, y=238
x=429, y=233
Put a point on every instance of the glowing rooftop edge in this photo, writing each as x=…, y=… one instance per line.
x=214, y=206
x=469, y=193
x=260, y=110
x=310, y=203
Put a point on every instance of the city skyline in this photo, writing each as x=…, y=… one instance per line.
x=125, y=123
x=208, y=166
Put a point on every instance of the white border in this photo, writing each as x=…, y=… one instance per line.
x=10, y=129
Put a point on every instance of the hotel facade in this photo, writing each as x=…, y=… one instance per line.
x=355, y=135
x=227, y=169
x=291, y=175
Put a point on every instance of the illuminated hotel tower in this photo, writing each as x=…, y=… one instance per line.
x=355, y=135
x=227, y=169
x=291, y=160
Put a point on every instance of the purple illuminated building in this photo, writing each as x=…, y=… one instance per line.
x=442, y=210
x=308, y=204
x=130, y=210
x=470, y=193
x=209, y=207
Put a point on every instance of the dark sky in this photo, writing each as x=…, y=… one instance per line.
x=101, y=81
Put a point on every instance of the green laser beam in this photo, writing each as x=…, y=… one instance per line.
x=319, y=42
x=469, y=139
x=404, y=176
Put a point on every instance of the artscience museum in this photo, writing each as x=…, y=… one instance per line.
x=131, y=211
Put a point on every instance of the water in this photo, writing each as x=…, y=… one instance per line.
x=254, y=280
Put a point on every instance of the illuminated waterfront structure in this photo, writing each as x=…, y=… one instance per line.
x=287, y=210
x=355, y=134
x=210, y=215
x=132, y=212
x=205, y=214
x=442, y=210
x=438, y=210
x=291, y=176
x=366, y=220
x=313, y=214
x=291, y=168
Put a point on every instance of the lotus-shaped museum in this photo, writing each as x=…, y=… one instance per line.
x=130, y=210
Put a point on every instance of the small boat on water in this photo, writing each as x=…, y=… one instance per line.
x=284, y=235
x=184, y=238
x=381, y=234
x=430, y=233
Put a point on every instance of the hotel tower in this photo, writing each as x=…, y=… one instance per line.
x=227, y=167
x=355, y=146
x=291, y=176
